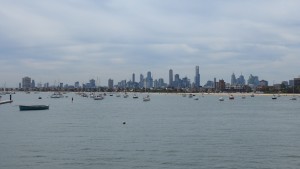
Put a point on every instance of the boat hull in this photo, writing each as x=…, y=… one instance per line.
x=33, y=107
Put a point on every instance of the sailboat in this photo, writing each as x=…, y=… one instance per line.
x=274, y=97
x=146, y=98
x=294, y=97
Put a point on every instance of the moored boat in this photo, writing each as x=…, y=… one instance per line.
x=33, y=107
x=147, y=98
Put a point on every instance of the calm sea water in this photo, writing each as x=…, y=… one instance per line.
x=170, y=131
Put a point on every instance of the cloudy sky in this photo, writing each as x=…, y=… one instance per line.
x=76, y=40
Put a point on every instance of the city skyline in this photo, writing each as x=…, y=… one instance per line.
x=148, y=81
x=54, y=41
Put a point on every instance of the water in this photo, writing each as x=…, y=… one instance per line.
x=169, y=132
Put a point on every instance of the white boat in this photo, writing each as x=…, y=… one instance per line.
x=125, y=95
x=135, y=96
x=146, y=98
x=274, y=97
x=98, y=97
x=231, y=97
x=57, y=95
x=252, y=95
x=118, y=95
x=221, y=99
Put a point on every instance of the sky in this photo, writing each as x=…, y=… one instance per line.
x=77, y=40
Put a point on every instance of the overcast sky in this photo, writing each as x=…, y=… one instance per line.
x=76, y=40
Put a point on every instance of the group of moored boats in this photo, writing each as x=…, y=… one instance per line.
x=101, y=96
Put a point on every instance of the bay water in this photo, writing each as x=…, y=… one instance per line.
x=170, y=131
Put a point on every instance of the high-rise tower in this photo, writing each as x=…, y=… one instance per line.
x=170, y=77
x=197, y=78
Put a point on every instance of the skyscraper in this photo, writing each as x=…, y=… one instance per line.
x=133, y=77
x=170, y=78
x=197, y=78
x=149, y=80
x=110, y=83
x=233, y=79
x=26, y=82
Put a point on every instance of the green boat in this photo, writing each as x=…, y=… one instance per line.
x=33, y=107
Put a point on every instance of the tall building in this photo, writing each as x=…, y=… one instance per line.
x=33, y=84
x=110, y=83
x=197, y=78
x=133, y=77
x=92, y=83
x=76, y=84
x=233, y=79
x=215, y=83
x=149, y=80
x=241, y=80
x=296, y=82
x=141, y=83
x=171, y=78
x=253, y=81
x=26, y=82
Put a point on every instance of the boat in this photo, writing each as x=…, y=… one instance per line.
x=135, y=96
x=33, y=107
x=40, y=97
x=252, y=95
x=294, y=97
x=98, y=97
x=231, y=97
x=125, y=95
x=196, y=98
x=243, y=97
x=221, y=99
x=146, y=98
x=274, y=97
x=57, y=95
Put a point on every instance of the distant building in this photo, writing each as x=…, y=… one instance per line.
x=26, y=82
x=241, y=80
x=209, y=84
x=110, y=83
x=32, y=84
x=133, y=77
x=197, y=78
x=233, y=79
x=149, y=80
x=170, y=78
x=297, y=82
x=286, y=83
x=263, y=83
x=141, y=83
x=291, y=83
x=76, y=85
x=253, y=81
x=92, y=83
x=222, y=85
